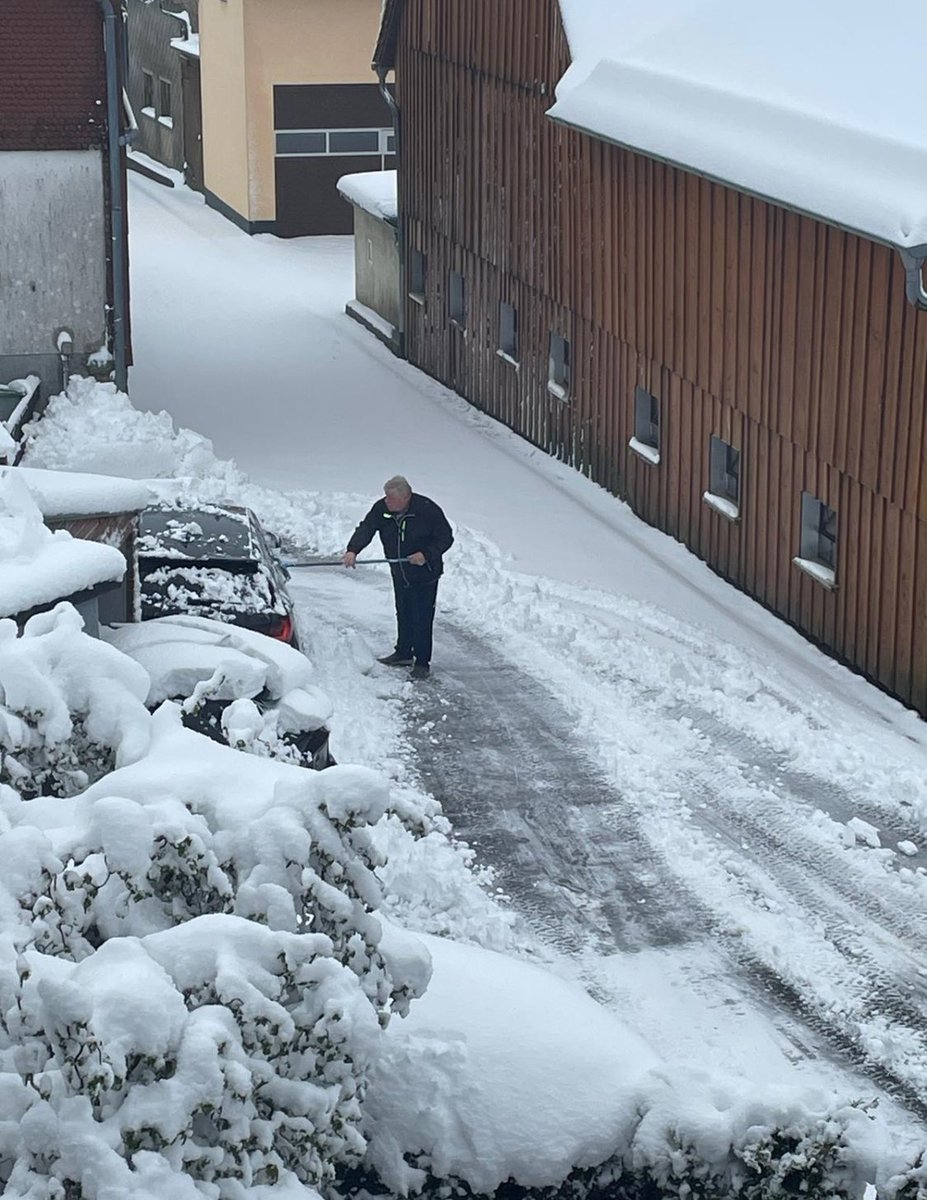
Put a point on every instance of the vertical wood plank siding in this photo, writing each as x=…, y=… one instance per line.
x=787, y=338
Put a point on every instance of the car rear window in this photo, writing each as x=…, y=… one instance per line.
x=206, y=590
x=196, y=534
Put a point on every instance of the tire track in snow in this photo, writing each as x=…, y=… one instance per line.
x=826, y=930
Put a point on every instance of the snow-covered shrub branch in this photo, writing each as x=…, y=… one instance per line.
x=749, y=1155
x=71, y=707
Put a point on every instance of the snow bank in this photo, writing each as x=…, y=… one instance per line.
x=125, y=442
x=501, y=1071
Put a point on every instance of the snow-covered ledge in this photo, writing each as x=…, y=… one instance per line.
x=373, y=191
x=824, y=575
x=649, y=454
x=513, y=362
x=727, y=508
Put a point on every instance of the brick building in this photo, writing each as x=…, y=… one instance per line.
x=63, y=254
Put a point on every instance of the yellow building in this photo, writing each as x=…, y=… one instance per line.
x=290, y=104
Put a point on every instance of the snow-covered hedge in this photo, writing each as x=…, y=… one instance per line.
x=70, y=706
x=191, y=986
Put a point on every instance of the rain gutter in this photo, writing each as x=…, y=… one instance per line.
x=118, y=216
x=913, y=260
x=382, y=72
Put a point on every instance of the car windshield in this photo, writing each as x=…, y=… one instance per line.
x=196, y=534
x=208, y=590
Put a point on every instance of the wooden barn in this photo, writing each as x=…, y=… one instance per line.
x=679, y=251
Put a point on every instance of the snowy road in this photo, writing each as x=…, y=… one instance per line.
x=721, y=829
x=747, y=868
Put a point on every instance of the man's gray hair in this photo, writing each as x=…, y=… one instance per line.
x=397, y=486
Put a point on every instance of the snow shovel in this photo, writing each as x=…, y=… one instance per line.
x=336, y=562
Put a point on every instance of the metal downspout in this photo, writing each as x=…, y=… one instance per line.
x=400, y=229
x=913, y=261
x=117, y=193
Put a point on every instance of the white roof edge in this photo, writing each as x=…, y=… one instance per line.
x=856, y=180
x=59, y=569
x=376, y=192
x=79, y=494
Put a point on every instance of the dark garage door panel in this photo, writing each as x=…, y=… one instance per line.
x=308, y=202
x=330, y=106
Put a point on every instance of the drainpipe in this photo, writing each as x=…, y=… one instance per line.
x=913, y=261
x=117, y=192
x=400, y=231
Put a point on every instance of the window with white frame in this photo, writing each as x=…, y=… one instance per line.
x=646, y=440
x=558, y=366
x=508, y=332
x=723, y=493
x=457, y=298
x=818, y=548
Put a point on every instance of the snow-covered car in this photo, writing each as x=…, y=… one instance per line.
x=215, y=561
x=233, y=685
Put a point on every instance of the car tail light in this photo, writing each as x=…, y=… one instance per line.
x=282, y=629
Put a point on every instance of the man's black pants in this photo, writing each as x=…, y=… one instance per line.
x=415, y=617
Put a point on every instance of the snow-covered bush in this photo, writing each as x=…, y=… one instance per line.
x=70, y=706
x=195, y=828
x=191, y=985
x=233, y=1051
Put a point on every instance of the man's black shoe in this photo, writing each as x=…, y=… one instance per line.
x=396, y=660
x=420, y=671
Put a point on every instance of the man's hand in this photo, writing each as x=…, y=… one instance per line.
x=417, y=559
x=349, y=559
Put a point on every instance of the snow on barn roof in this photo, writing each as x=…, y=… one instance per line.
x=373, y=191
x=814, y=106
x=38, y=567
x=75, y=494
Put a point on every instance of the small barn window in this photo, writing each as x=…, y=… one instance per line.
x=148, y=94
x=646, y=440
x=417, y=267
x=164, y=98
x=558, y=366
x=508, y=332
x=818, y=553
x=457, y=299
x=723, y=493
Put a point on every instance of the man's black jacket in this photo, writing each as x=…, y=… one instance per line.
x=422, y=527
